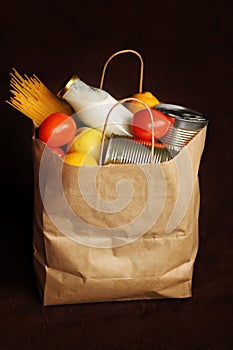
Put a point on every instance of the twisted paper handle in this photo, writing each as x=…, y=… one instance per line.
x=119, y=53
x=128, y=99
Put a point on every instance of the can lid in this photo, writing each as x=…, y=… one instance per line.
x=185, y=118
x=67, y=85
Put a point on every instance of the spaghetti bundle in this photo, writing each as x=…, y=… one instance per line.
x=32, y=98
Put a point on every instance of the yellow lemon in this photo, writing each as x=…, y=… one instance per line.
x=147, y=97
x=88, y=140
x=79, y=158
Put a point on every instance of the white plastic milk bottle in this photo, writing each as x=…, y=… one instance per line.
x=92, y=106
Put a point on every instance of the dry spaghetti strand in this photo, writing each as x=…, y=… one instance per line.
x=32, y=98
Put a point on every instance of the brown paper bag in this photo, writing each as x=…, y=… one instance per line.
x=116, y=232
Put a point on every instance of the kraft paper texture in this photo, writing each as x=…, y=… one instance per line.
x=116, y=232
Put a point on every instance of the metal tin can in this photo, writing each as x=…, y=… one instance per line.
x=130, y=150
x=187, y=123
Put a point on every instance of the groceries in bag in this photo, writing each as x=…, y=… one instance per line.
x=133, y=150
x=33, y=99
x=147, y=97
x=128, y=134
x=92, y=106
x=186, y=124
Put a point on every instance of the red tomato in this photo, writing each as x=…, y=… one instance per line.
x=57, y=130
x=141, y=124
x=58, y=150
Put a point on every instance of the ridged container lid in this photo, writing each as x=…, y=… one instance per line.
x=185, y=118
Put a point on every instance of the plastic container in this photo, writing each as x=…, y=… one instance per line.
x=92, y=105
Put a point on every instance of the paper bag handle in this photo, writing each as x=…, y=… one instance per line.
x=106, y=124
x=119, y=53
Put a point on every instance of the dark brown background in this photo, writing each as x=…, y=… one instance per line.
x=187, y=50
